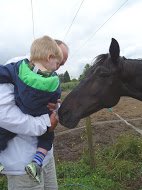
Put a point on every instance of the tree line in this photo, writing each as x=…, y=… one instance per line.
x=65, y=77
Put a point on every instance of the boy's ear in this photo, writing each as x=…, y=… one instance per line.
x=50, y=57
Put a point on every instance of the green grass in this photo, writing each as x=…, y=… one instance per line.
x=75, y=176
x=118, y=167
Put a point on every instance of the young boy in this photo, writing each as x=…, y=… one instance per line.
x=35, y=85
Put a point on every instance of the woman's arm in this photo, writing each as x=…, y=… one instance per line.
x=14, y=120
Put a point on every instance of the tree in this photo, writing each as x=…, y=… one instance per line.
x=61, y=77
x=66, y=77
x=85, y=70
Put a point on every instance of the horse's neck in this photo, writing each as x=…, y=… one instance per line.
x=132, y=78
x=132, y=68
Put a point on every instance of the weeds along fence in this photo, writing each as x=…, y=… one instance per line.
x=89, y=133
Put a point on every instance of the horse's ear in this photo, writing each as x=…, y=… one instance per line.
x=114, y=50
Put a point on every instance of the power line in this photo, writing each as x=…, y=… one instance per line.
x=73, y=20
x=94, y=33
x=33, y=19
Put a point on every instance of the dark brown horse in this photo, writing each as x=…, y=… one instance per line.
x=110, y=77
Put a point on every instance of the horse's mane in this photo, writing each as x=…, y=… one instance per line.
x=125, y=64
x=97, y=60
x=100, y=58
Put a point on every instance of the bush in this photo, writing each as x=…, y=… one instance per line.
x=68, y=86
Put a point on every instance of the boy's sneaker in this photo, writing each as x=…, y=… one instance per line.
x=1, y=167
x=34, y=170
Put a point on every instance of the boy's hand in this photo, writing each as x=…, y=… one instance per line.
x=52, y=106
x=54, y=121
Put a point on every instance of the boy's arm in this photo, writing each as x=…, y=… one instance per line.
x=12, y=118
x=6, y=73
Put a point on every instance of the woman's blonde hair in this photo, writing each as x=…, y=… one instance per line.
x=44, y=47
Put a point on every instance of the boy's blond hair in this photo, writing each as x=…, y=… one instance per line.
x=44, y=47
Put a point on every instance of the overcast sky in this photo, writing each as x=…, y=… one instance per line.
x=87, y=36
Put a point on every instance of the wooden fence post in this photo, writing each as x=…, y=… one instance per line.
x=90, y=142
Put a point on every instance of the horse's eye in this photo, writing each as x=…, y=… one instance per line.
x=102, y=72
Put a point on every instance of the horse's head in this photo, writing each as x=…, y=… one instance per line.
x=101, y=88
